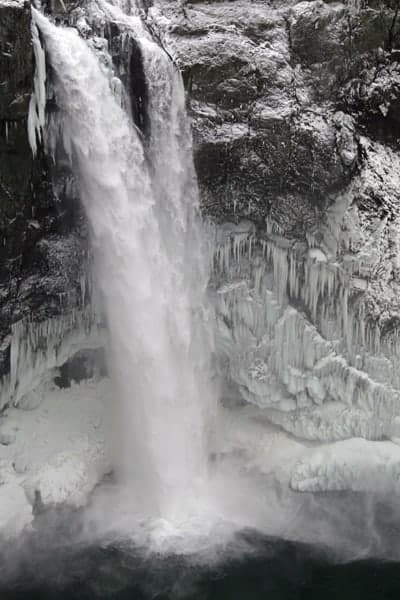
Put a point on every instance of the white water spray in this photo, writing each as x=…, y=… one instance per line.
x=150, y=267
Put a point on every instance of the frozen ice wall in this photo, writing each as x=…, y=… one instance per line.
x=293, y=340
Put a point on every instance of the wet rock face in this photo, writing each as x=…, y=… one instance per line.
x=261, y=78
x=41, y=228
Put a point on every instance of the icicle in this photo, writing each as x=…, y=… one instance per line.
x=273, y=227
x=377, y=339
x=82, y=281
x=311, y=241
x=346, y=328
x=4, y=391
x=294, y=283
x=117, y=90
x=37, y=104
x=257, y=275
x=279, y=259
x=264, y=247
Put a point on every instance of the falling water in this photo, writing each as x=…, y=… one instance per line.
x=150, y=265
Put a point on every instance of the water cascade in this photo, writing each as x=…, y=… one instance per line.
x=151, y=267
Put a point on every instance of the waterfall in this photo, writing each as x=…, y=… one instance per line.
x=151, y=267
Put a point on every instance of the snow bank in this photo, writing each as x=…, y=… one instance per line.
x=53, y=454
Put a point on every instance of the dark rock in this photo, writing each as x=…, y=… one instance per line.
x=15, y=59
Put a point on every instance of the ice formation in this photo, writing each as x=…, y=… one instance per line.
x=54, y=453
x=37, y=105
x=293, y=344
x=39, y=348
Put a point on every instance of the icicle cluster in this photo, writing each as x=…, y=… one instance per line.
x=234, y=246
x=276, y=356
x=38, y=348
x=321, y=286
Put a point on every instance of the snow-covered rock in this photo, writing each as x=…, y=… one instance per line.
x=55, y=453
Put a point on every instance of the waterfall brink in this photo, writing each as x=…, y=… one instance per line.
x=150, y=266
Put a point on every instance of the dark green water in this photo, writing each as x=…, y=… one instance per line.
x=267, y=570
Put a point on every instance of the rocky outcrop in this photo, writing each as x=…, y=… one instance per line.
x=258, y=114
